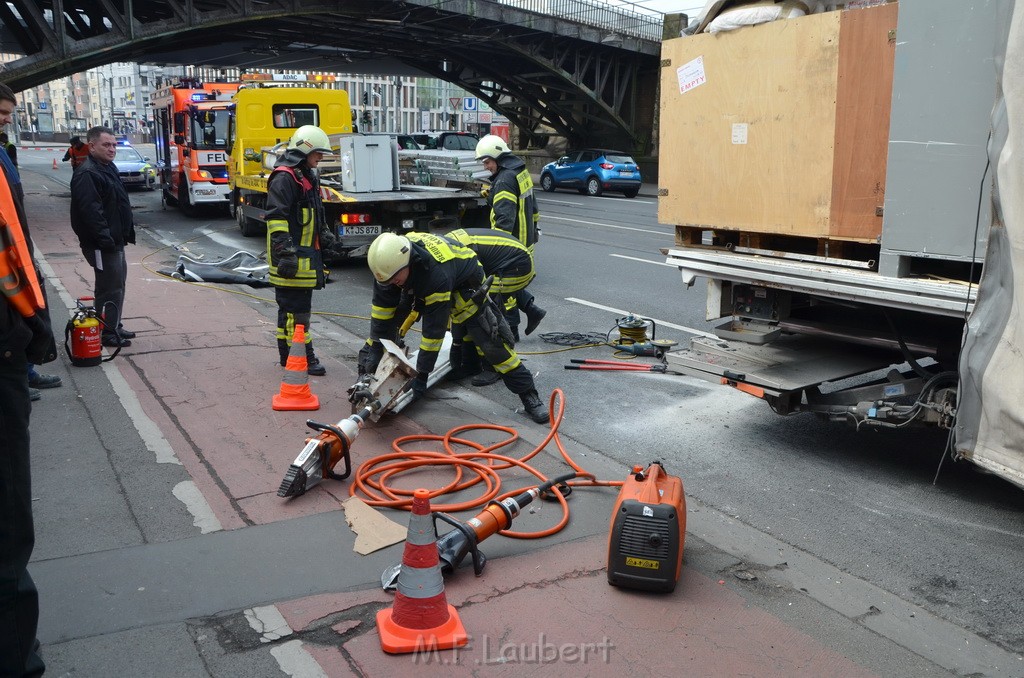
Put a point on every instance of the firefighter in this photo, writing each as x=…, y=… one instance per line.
x=513, y=209
x=297, y=234
x=443, y=276
x=511, y=264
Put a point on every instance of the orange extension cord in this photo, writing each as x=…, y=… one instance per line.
x=373, y=476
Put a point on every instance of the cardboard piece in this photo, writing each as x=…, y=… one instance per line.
x=373, y=530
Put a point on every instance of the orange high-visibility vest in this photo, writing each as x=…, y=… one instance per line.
x=78, y=155
x=17, y=272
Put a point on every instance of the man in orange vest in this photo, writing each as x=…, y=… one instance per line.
x=25, y=337
x=78, y=152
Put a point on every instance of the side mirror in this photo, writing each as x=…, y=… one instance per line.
x=179, y=139
x=145, y=158
x=564, y=159
x=186, y=151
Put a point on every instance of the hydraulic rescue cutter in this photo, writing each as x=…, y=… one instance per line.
x=464, y=538
x=386, y=390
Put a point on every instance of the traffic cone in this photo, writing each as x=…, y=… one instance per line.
x=55, y=163
x=421, y=618
x=295, y=393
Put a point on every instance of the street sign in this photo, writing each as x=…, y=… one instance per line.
x=455, y=102
x=469, y=103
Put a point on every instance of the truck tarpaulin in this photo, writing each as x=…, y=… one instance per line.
x=989, y=413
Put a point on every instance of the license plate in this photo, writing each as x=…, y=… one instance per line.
x=625, y=173
x=360, y=230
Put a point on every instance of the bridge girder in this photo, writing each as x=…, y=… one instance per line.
x=547, y=74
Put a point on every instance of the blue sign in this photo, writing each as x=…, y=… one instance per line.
x=469, y=103
x=42, y=105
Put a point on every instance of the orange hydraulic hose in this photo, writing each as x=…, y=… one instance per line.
x=372, y=478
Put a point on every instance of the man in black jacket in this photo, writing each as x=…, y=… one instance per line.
x=101, y=216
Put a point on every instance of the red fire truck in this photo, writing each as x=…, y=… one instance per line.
x=191, y=123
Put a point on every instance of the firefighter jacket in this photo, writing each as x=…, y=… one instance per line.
x=443, y=275
x=294, y=221
x=24, y=320
x=513, y=204
x=101, y=214
x=501, y=255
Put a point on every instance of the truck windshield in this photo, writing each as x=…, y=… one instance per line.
x=209, y=128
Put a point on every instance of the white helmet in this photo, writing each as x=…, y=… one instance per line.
x=309, y=138
x=388, y=255
x=491, y=146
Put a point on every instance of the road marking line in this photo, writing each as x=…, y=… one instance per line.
x=203, y=517
x=644, y=261
x=268, y=621
x=147, y=428
x=660, y=323
x=295, y=661
x=561, y=202
x=597, y=223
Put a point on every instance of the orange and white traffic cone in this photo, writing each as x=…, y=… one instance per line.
x=421, y=618
x=295, y=393
x=55, y=163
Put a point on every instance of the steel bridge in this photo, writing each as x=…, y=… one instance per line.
x=581, y=69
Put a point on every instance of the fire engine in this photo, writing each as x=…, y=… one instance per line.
x=191, y=122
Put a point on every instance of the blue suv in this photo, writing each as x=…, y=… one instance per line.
x=593, y=171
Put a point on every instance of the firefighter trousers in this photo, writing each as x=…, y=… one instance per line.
x=294, y=306
x=495, y=352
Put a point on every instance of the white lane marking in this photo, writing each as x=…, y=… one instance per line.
x=203, y=516
x=147, y=428
x=295, y=661
x=561, y=202
x=598, y=223
x=268, y=621
x=620, y=312
x=643, y=261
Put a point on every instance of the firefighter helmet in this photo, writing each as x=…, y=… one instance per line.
x=388, y=255
x=491, y=146
x=309, y=138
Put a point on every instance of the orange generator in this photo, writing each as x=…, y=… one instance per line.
x=648, y=528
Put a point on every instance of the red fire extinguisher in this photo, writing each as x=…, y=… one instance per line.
x=83, y=335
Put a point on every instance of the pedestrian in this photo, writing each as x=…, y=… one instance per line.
x=77, y=153
x=12, y=150
x=36, y=380
x=25, y=336
x=513, y=209
x=297, y=235
x=511, y=264
x=443, y=276
x=101, y=216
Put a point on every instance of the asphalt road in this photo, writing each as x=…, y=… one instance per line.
x=864, y=502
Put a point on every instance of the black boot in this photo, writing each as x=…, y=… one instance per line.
x=535, y=409
x=534, y=314
x=282, y=349
x=486, y=377
x=464, y=361
x=314, y=367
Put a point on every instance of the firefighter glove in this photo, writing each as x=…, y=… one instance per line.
x=369, y=357
x=327, y=239
x=288, y=265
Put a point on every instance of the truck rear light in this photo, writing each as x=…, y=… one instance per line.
x=356, y=218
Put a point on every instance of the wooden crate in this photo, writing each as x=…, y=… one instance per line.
x=779, y=128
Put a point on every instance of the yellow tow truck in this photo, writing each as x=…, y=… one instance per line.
x=361, y=186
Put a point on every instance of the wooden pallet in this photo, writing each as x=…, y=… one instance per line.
x=835, y=248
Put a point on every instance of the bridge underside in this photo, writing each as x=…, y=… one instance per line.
x=546, y=74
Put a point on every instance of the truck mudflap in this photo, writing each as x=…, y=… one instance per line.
x=861, y=385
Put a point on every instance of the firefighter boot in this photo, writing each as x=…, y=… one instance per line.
x=534, y=407
x=486, y=377
x=282, y=350
x=464, y=361
x=314, y=367
x=534, y=314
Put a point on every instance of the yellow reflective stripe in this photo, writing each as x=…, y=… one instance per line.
x=277, y=225
x=495, y=240
x=504, y=195
x=382, y=312
x=513, y=284
x=438, y=298
x=509, y=365
x=430, y=344
x=306, y=217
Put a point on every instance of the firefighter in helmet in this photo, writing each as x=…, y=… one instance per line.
x=445, y=279
x=513, y=209
x=297, y=235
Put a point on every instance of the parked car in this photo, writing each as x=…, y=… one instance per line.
x=134, y=169
x=406, y=142
x=449, y=141
x=593, y=171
